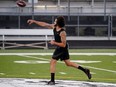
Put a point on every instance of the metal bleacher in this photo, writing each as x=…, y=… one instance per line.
x=75, y=9
x=42, y=7
x=37, y=38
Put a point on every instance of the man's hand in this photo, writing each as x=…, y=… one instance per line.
x=30, y=21
x=52, y=42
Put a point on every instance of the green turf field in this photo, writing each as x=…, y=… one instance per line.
x=51, y=50
x=102, y=67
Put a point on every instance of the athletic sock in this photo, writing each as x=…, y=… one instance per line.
x=52, y=77
x=81, y=68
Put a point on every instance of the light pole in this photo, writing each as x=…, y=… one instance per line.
x=105, y=10
x=68, y=10
x=32, y=9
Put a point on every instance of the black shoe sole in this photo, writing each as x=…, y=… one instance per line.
x=51, y=83
x=88, y=73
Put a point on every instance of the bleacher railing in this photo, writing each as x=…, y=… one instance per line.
x=58, y=9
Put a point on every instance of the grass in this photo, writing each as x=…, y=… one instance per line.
x=32, y=69
x=51, y=50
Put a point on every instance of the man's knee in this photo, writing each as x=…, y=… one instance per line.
x=53, y=61
x=68, y=64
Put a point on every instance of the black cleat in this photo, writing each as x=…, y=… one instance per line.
x=51, y=83
x=87, y=72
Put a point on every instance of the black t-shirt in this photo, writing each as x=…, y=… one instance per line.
x=57, y=36
x=60, y=52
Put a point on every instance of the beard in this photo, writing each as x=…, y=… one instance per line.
x=55, y=25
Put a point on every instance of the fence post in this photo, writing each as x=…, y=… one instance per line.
x=46, y=42
x=3, y=43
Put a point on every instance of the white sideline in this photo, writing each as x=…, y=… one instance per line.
x=109, y=54
x=23, y=82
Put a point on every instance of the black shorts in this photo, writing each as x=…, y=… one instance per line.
x=61, y=53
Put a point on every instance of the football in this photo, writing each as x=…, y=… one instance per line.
x=21, y=3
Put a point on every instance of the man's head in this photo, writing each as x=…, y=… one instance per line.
x=60, y=21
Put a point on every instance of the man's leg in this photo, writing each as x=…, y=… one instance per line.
x=52, y=71
x=72, y=64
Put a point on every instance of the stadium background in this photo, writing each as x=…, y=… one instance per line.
x=90, y=22
x=90, y=25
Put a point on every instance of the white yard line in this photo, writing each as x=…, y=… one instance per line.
x=26, y=53
x=109, y=54
x=38, y=58
x=107, y=70
x=89, y=54
x=34, y=57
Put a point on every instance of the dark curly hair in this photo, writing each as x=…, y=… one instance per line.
x=60, y=21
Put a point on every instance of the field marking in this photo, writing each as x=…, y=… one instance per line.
x=23, y=82
x=24, y=55
x=112, y=71
x=34, y=57
x=31, y=62
x=93, y=73
x=32, y=73
x=114, y=61
x=109, y=54
x=64, y=77
x=38, y=58
x=2, y=73
x=101, y=69
x=63, y=73
x=85, y=61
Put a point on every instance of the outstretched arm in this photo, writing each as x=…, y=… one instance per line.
x=42, y=24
